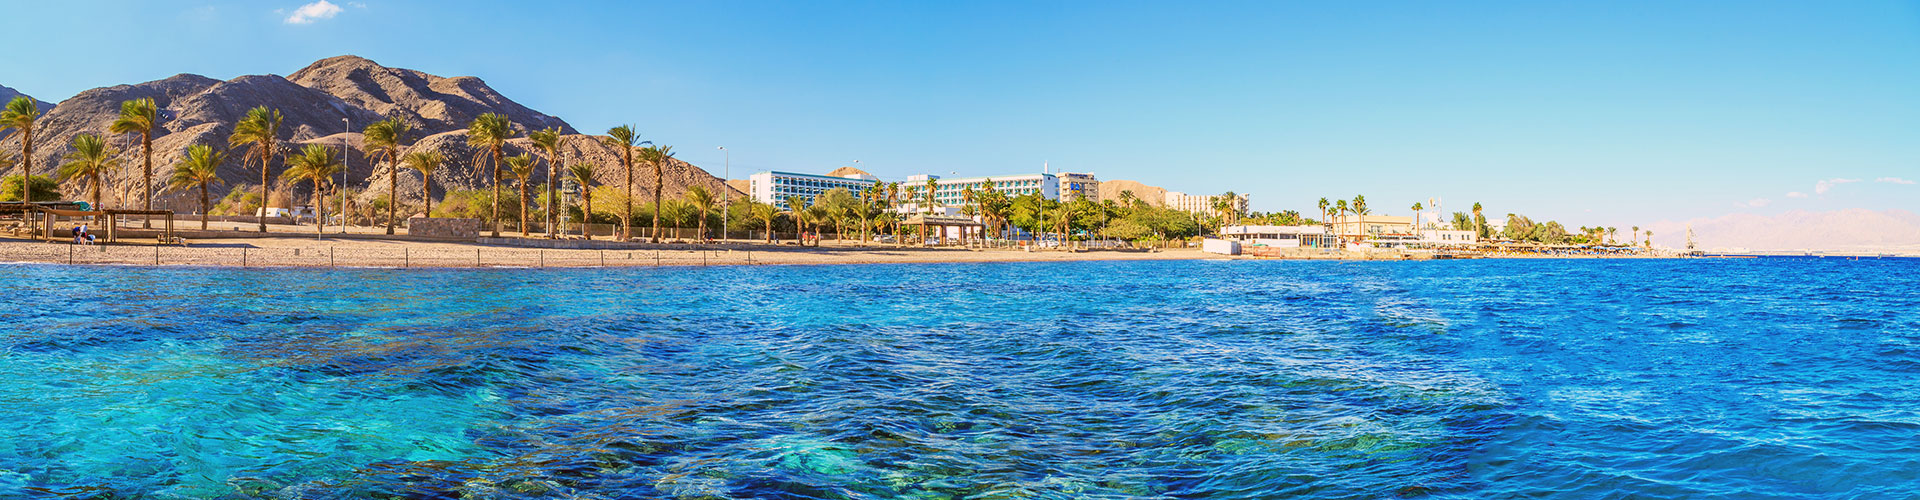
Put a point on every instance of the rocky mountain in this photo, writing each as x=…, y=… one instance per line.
x=429, y=102
x=318, y=103
x=7, y=94
x=1153, y=195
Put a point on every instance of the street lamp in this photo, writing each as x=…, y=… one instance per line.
x=726, y=195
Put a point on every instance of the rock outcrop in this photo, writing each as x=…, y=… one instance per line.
x=1153, y=195
x=318, y=104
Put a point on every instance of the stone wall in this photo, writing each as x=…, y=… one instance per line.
x=443, y=228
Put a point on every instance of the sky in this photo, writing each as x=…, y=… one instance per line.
x=1590, y=113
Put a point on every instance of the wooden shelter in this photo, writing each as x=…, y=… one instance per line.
x=942, y=222
x=46, y=213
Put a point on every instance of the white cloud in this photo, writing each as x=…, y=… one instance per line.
x=1894, y=180
x=1755, y=203
x=1827, y=185
x=316, y=11
x=357, y=5
x=1796, y=194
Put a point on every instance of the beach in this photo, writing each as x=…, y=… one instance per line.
x=296, y=251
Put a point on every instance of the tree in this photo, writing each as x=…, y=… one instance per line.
x=490, y=132
x=140, y=116
x=702, y=201
x=547, y=140
x=1323, y=208
x=1479, y=223
x=259, y=130
x=316, y=163
x=383, y=140
x=797, y=211
x=520, y=169
x=659, y=157
x=834, y=204
x=199, y=169
x=1417, y=207
x=625, y=139
x=1635, y=235
x=90, y=157
x=765, y=213
x=20, y=113
x=425, y=162
x=583, y=175
x=1360, y=206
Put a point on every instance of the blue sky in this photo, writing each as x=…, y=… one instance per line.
x=1599, y=113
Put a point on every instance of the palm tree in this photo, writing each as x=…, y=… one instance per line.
x=932, y=185
x=315, y=162
x=1649, y=238
x=797, y=211
x=260, y=130
x=765, y=213
x=490, y=132
x=1476, y=220
x=1417, y=207
x=818, y=214
x=547, y=140
x=91, y=155
x=140, y=116
x=624, y=138
x=583, y=175
x=383, y=139
x=1635, y=235
x=659, y=157
x=1360, y=206
x=1612, y=234
x=520, y=169
x=703, y=202
x=200, y=168
x=425, y=162
x=20, y=113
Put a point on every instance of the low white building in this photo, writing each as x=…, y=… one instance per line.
x=1447, y=237
x=1315, y=236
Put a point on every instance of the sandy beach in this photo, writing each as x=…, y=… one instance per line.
x=294, y=251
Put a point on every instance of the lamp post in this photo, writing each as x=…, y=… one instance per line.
x=345, y=163
x=726, y=195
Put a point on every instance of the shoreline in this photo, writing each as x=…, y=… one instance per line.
x=379, y=253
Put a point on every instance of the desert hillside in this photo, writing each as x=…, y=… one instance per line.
x=318, y=103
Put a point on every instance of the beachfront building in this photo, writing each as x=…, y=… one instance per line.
x=952, y=192
x=1359, y=227
x=1447, y=237
x=1201, y=204
x=1315, y=236
x=1079, y=186
x=774, y=187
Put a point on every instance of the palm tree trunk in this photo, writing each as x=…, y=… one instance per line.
x=264, y=193
x=626, y=224
x=659, y=178
x=319, y=209
x=393, y=187
x=426, y=193
x=701, y=234
x=586, y=217
x=496, y=192
x=523, y=210
x=206, y=204
x=553, y=197
x=146, y=167
x=26, y=167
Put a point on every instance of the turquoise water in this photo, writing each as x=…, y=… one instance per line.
x=1753, y=378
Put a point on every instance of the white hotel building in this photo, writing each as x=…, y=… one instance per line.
x=774, y=187
x=1200, y=204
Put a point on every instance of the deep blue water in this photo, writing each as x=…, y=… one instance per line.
x=1751, y=378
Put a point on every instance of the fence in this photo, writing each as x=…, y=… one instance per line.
x=405, y=257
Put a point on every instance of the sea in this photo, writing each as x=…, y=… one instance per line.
x=1235, y=379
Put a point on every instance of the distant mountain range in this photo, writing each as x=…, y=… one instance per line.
x=1849, y=230
x=319, y=102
